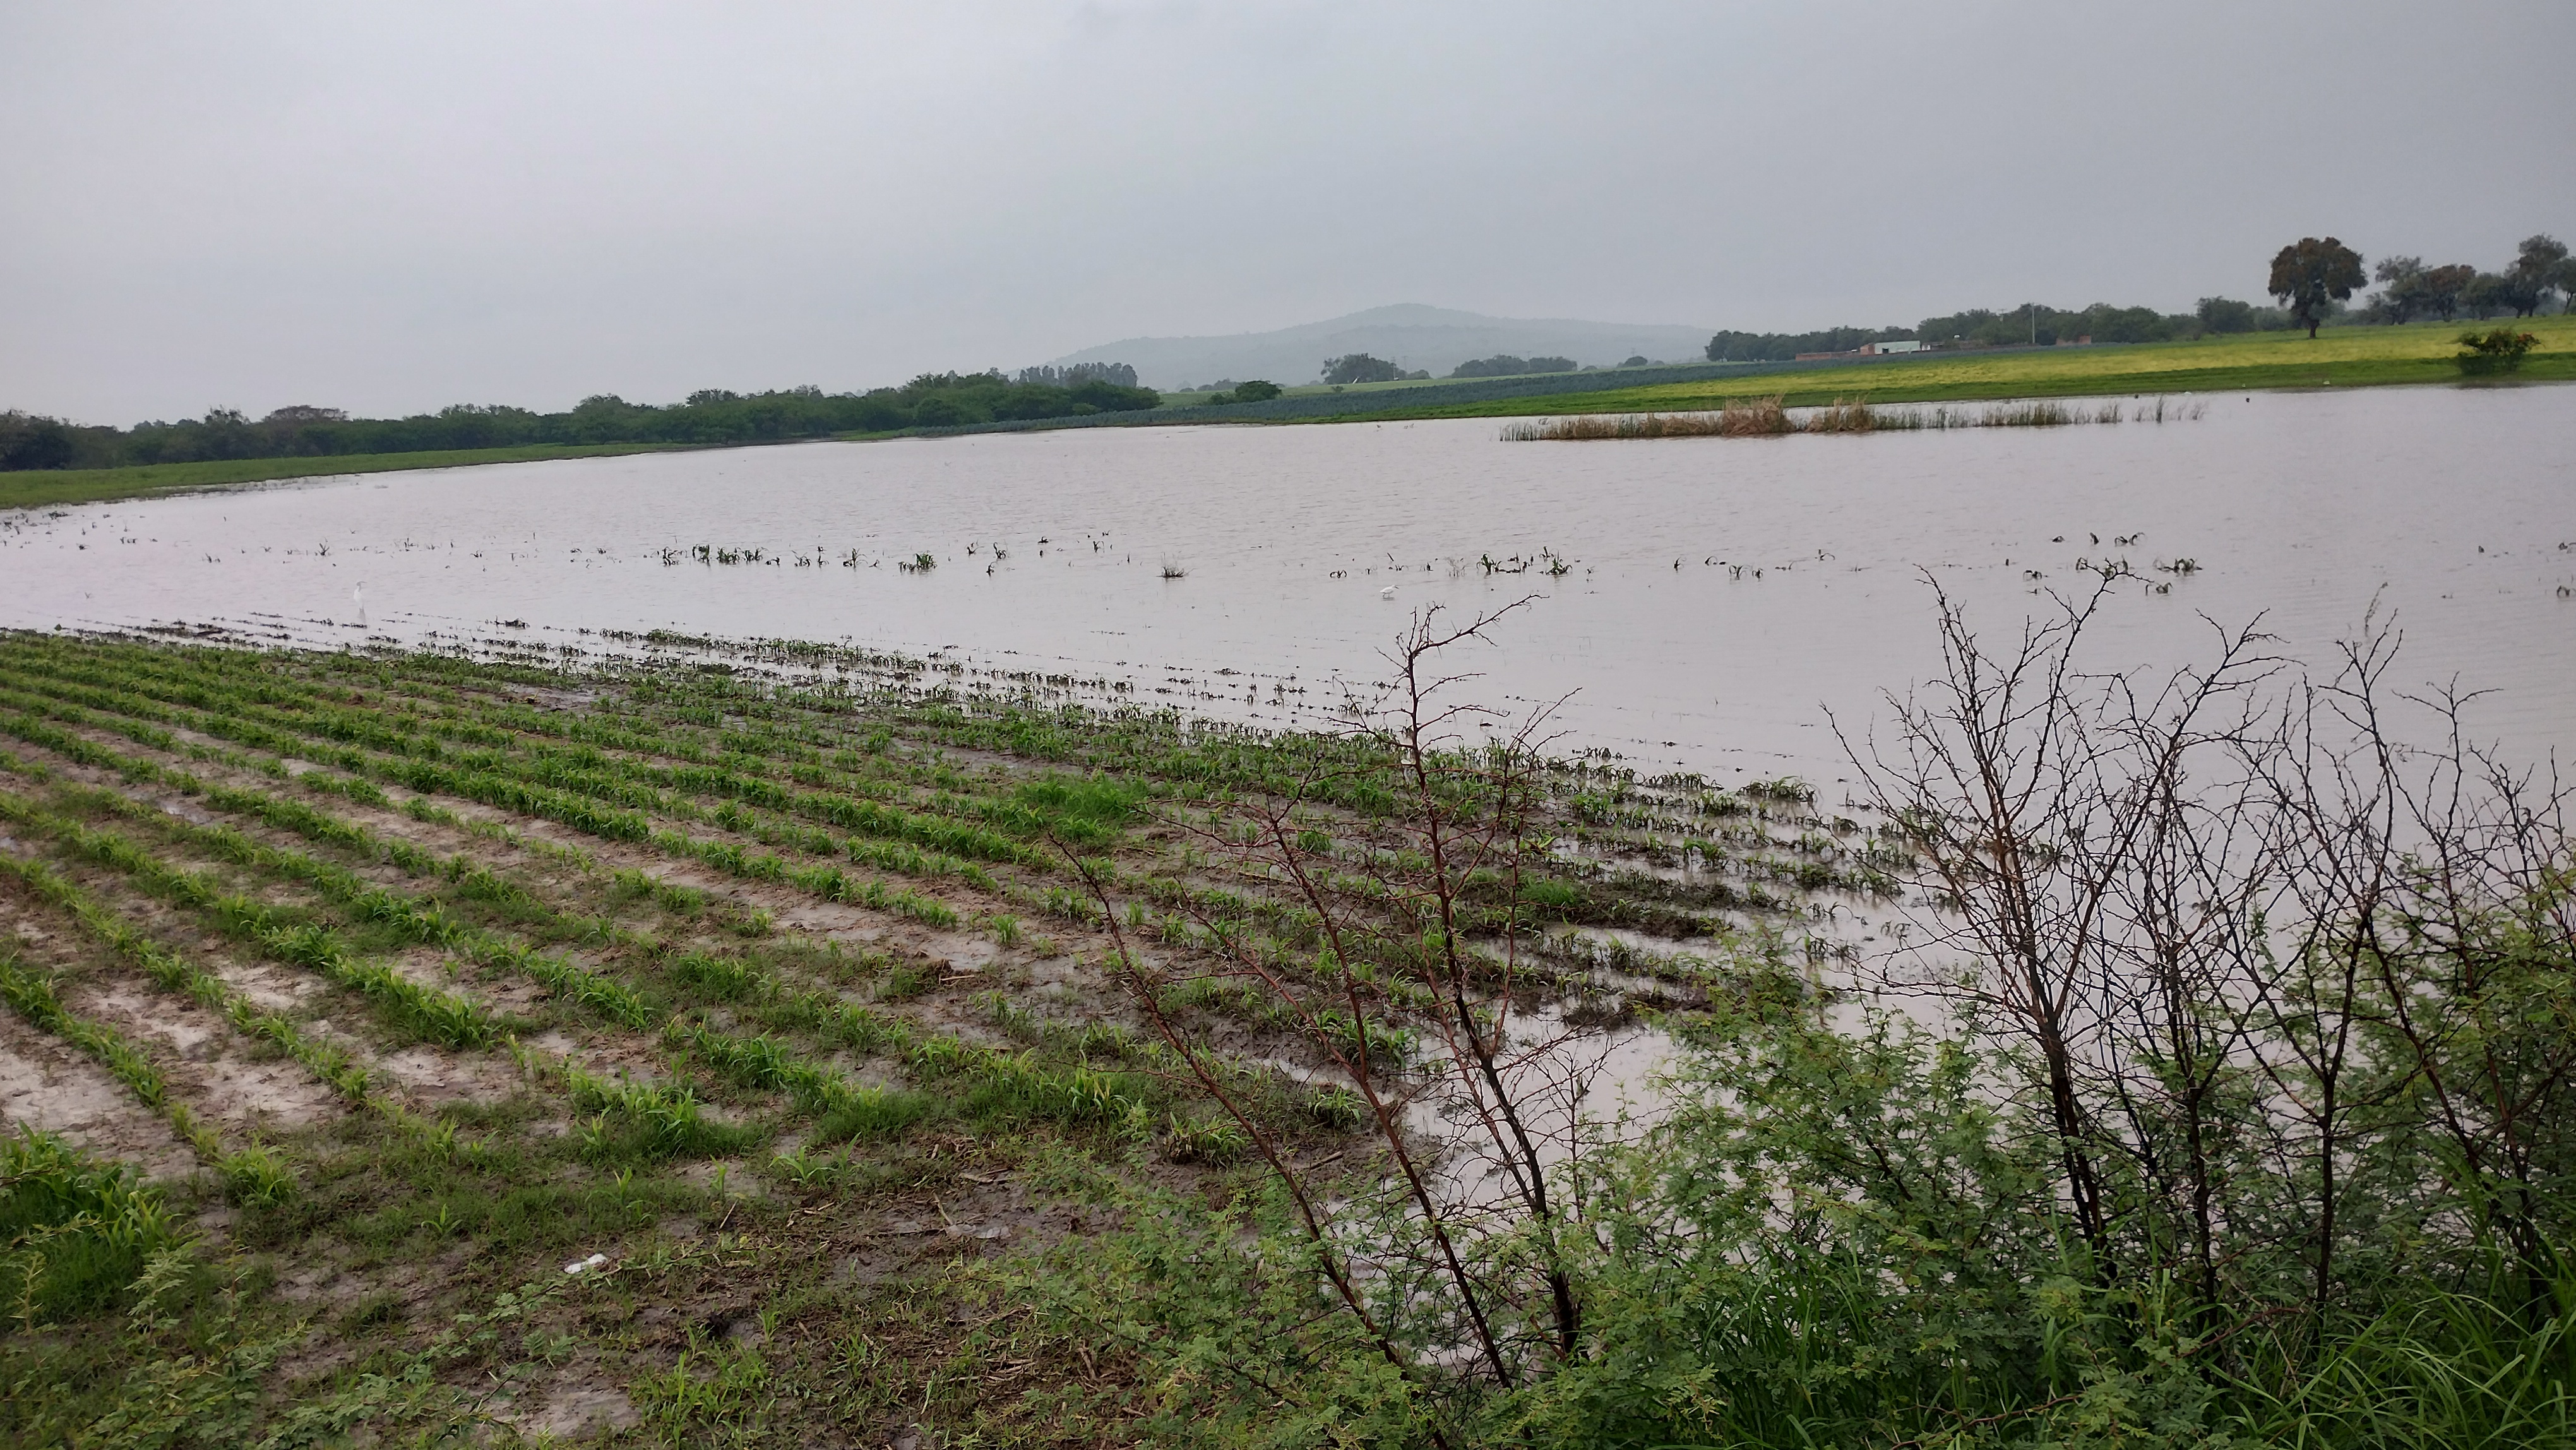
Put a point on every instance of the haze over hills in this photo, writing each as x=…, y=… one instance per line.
x=1409, y=334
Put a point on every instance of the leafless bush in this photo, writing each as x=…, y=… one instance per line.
x=2280, y=987
x=1405, y=984
x=1843, y=415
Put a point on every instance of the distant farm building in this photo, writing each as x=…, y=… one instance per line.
x=1869, y=349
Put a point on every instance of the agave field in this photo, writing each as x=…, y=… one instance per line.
x=724, y=1045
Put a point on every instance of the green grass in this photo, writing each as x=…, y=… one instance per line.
x=40, y=489
x=2341, y=357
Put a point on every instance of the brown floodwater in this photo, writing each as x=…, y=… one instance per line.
x=1717, y=596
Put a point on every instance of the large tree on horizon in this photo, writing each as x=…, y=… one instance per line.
x=2538, y=267
x=2308, y=272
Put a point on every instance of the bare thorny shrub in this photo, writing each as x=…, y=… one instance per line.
x=2289, y=995
x=1447, y=1244
x=2283, y=997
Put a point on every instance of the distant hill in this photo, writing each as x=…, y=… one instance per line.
x=1434, y=339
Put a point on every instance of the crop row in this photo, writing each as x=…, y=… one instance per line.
x=548, y=780
x=827, y=882
x=1291, y=927
x=737, y=696
x=1017, y=1080
x=254, y=1170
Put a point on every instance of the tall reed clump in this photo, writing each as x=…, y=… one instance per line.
x=2039, y=413
x=1841, y=416
x=1770, y=418
x=1588, y=427
x=1755, y=418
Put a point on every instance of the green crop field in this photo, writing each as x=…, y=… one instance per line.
x=47, y=488
x=404, y=981
x=2338, y=357
x=701, y=1044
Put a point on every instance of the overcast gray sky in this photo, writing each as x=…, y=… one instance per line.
x=393, y=207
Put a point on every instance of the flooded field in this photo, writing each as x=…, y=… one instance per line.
x=838, y=1039
x=1705, y=600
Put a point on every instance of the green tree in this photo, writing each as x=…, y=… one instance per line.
x=939, y=410
x=1359, y=367
x=1101, y=395
x=2442, y=287
x=2401, y=281
x=2225, y=314
x=2309, y=273
x=1255, y=391
x=2486, y=293
x=27, y=442
x=2535, y=273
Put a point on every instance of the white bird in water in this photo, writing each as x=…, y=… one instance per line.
x=1387, y=593
x=360, y=594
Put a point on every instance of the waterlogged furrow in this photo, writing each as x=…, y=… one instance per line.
x=254, y=1172
x=1286, y=949
x=283, y=936
x=174, y=973
x=1078, y=1094
x=734, y=762
x=578, y=813
x=1187, y=764
x=1566, y=900
x=669, y=1104
x=619, y=786
x=32, y=995
x=413, y=918
x=826, y=882
x=1215, y=906
x=670, y=1111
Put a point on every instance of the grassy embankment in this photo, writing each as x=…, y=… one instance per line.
x=2339, y=357
x=414, y=980
x=48, y=488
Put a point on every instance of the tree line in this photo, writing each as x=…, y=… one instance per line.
x=709, y=416
x=1504, y=365
x=2409, y=289
x=1360, y=367
x=2313, y=276
x=2311, y=282
x=2030, y=324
